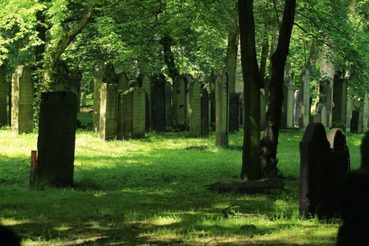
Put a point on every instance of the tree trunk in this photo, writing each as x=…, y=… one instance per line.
x=169, y=57
x=41, y=34
x=278, y=61
x=264, y=57
x=251, y=77
x=231, y=57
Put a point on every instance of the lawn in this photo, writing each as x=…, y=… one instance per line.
x=152, y=192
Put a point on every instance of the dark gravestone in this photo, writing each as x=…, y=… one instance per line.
x=158, y=102
x=339, y=100
x=179, y=103
x=338, y=169
x=139, y=113
x=195, y=109
x=146, y=85
x=314, y=159
x=125, y=106
x=56, y=138
x=354, y=121
x=204, y=112
x=3, y=97
x=22, y=99
x=168, y=105
x=234, y=110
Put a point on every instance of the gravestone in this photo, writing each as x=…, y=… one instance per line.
x=339, y=101
x=189, y=80
x=234, y=110
x=204, y=112
x=56, y=138
x=322, y=115
x=195, y=109
x=147, y=84
x=355, y=203
x=83, y=99
x=354, y=125
x=296, y=108
x=314, y=159
x=305, y=101
x=139, y=113
x=158, y=102
x=338, y=169
x=221, y=119
x=108, y=111
x=125, y=109
x=349, y=108
x=122, y=82
x=3, y=97
x=168, y=105
x=179, y=103
x=364, y=114
x=22, y=99
x=288, y=103
x=97, y=77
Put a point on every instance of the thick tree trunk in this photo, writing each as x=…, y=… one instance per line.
x=278, y=61
x=169, y=57
x=231, y=57
x=264, y=57
x=251, y=77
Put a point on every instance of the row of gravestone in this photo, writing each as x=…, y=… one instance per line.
x=22, y=95
x=328, y=188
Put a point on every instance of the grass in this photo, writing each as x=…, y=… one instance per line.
x=152, y=192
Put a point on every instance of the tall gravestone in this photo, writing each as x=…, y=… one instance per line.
x=314, y=159
x=234, y=110
x=354, y=124
x=355, y=203
x=327, y=73
x=339, y=101
x=296, y=108
x=108, y=111
x=179, y=103
x=364, y=114
x=195, y=109
x=204, y=112
x=56, y=138
x=97, y=77
x=3, y=97
x=139, y=113
x=221, y=119
x=147, y=84
x=125, y=113
x=289, y=104
x=168, y=105
x=22, y=99
x=349, y=108
x=158, y=102
x=322, y=115
x=338, y=169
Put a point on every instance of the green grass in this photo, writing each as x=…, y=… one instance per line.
x=152, y=191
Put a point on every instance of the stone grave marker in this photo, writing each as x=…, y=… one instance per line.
x=125, y=107
x=158, y=103
x=314, y=159
x=22, y=99
x=179, y=104
x=354, y=125
x=339, y=100
x=56, y=138
x=147, y=84
x=139, y=113
x=108, y=111
x=195, y=109
x=3, y=97
x=168, y=105
x=97, y=77
x=221, y=119
x=296, y=108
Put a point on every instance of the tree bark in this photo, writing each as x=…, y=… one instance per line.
x=278, y=61
x=169, y=57
x=251, y=77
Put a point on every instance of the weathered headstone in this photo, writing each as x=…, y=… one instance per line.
x=158, y=102
x=204, y=112
x=296, y=108
x=139, y=113
x=98, y=77
x=364, y=114
x=339, y=101
x=234, y=110
x=221, y=100
x=168, y=105
x=289, y=105
x=22, y=98
x=354, y=125
x=314, y=159
x=147, y=84
x=179, y=103
x=322, y=115
x=122, y=82
x=195, y=109
x=3, y=97
x=108, y=111
x=125, y=121
x=188, y=81
x=56, y=138
x=349, y=108
x=83, y=99
x=338, y=169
